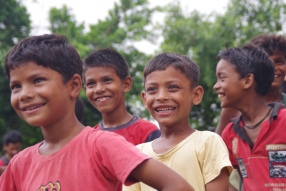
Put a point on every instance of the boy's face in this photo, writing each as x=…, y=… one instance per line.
x=168, y=96
x=228, y=85
x=280, y=69
x=38, y=94
x=12, y=149
x=105, y=90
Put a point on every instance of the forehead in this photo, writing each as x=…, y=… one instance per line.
x=167, y=75
x=29, y=69
x=225, y=66
x=99, y=71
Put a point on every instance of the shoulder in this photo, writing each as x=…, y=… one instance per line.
x=208, y=139
x=144, y=146
x=144, y=124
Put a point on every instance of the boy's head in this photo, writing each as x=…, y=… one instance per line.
x=180, y=62
x=107, y=58
x=45, y=78
x=171, y=88
x=50, y=50
x=242, y=68
x=275, y=46
x=12, y=141
x=106, y=80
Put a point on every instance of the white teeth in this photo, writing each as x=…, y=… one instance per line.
x=163, y=110
x=102, y=99
x=276, y=76
x=220, y=96
x=31, y=108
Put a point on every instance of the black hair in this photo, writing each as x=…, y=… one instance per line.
x=249, y=59
x=49, y=50
x=107, y=58
x=79, y=109
x=12, y=136
x=180, y=62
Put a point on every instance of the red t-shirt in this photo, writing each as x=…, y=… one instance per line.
x=136, y=131
x=93, y=160
x=262, y=164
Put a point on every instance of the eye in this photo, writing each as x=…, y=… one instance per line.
x=90, y=84
x=173, y=87
x=13, y=87
x=107, y=80
x=280, y=61
x=151, y=89
x=38, y=80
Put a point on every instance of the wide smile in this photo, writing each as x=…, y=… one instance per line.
x=220, y=95
x=33, y=107
x=165, y=110
x=102, y=99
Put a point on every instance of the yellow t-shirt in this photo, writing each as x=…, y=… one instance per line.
x=199, y=159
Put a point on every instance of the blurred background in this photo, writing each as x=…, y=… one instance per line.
x=138, y=29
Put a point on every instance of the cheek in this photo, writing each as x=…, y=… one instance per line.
x=14, y=100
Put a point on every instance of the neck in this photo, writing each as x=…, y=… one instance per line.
x=274, y=95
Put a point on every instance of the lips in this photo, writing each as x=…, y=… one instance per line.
x=165, y=109
x=102, y=99
x=29, y=108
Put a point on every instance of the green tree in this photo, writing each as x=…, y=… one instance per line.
x=126, y=23
x=203, y=36
x=14, y=26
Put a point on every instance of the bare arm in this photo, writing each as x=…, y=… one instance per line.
x=159, y=176
x=225, y=115
x=220, y=183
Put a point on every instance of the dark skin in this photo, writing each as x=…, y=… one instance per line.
x=175, y=92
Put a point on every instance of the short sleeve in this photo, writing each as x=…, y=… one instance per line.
x=229, y=140
x=213, y=157
x=7, y=181
x=118, y=156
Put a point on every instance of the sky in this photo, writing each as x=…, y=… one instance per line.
x=90, y=11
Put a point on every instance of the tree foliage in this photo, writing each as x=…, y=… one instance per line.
x=203, y=36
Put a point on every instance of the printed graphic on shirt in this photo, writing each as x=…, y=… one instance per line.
x=277, y=164
x=50, y=187
x=234, y=146
x=242, y=167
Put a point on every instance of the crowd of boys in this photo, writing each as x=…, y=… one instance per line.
x=46, y=75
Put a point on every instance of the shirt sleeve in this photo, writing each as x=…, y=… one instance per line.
x=118, y=156
x=213, y=157
x=7, y=181
x=153, y=135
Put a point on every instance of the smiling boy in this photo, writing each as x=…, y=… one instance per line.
x=106, y=81
x=45, y=80
x=171, y=88
x=244, y=77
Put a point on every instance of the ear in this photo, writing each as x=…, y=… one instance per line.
x=75, y=84
x=248, y=81
x=197, y=95
x=127, y=84
x=143, y=96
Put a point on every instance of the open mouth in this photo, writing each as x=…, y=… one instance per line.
x=101, y=99
x=33, y=107
x=277, y=76
x=220, y=96
x=165, y=109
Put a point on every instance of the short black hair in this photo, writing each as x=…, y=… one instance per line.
x=49, y=50
x=180, y=62
x=107, y=57
x=12, y=136
x=249, y=59
x=79, y=109
x=270, y=43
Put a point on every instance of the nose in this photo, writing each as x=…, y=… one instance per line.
x=99, y=88
x=216, y=86
x=162, y=95
x=26, y=93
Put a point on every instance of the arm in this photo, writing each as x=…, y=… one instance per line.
x=159, y=176
x=225, y=115
x=220, y=182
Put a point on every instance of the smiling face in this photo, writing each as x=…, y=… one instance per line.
x=38, y=94
x=168, y=96
x=280, y=69
x=228, y=85
x=105, y=90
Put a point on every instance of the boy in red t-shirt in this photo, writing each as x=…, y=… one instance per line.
x=257, y=138
x=45, y=80
x=106, y=80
